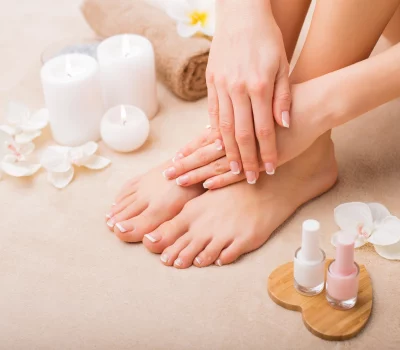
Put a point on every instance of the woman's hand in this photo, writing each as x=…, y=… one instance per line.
x=200, y=161
x=247, y=80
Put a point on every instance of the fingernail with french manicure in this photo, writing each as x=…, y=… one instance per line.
x=218, y=145
x=182, y=180
x=177, y=157
x=169, y=173
x=121, y=228
x=111, y=223
x=153, y=238
x=178, y=262
x=251, y=177
x=285, y=119
x=234, y=168
x=164, y=258
x=207, y=184
x=269, y=168
x=218, y=262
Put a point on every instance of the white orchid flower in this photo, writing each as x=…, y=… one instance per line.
x=23, y=125
x=13, y=157
x=59, y=161
x=370, y=222
x=193, y=16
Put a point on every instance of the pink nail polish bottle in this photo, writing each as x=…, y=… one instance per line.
x=309, y=261
x=342, y=276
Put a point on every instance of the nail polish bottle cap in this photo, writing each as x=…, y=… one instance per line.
x=344, y=262
x=310, y=250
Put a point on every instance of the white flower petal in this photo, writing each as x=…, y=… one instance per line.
x=26, y=137
x=26, y=149
x=17, y=113
x=10, y=158
x=19, y=169
x=379, y=212
x=201, y=5
x=37, y=121
x=61, y=180
x=10, y=130
x=349, y=216
x=359, y=241
x=178, y=10
x=89, y=148
x=387, y=233
x=391, y=252
x=55, y=159
x=5, y=140
x=187, y=30
x=96, y=162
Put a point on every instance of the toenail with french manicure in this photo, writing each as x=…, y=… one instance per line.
x=269, y=168
x=251, y=177
x=164, y=258
x=207, y=184
x=218, y=262
x=198, y=260
x=178, y=262
x=182, y=180
x=151, y=238
x=111, y=223
x=109, y=216
x=113, y=204
x=121, y=228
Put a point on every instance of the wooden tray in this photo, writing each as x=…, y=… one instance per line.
x=318, y=316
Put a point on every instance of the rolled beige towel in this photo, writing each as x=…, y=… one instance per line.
x=181, y=62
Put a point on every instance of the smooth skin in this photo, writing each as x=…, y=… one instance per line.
x=195, y=235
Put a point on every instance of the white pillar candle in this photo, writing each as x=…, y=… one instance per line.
x=72, y=92
x=125, y=128
x=128, y=72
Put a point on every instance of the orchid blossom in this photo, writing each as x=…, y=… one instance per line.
x=13, y=157
x=22, y=125
x=193, y=16
x=370, y=222
x=59, y=161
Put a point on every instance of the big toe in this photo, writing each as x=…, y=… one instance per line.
x=166, y=234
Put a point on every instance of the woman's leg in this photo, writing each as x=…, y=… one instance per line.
x=224, y=224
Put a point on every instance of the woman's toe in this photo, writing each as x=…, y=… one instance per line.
x=210, y=253
x=166, y=234
x=117, y=208
x=171, y=253
x=120, y=223
x=127, y=189
x=231, y=253
x=189, y=253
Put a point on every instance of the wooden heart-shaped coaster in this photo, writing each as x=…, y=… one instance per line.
x=318, y=316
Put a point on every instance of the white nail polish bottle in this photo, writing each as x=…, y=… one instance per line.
x=309, y=261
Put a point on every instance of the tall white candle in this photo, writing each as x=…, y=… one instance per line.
x=72, y=92
x=128, y=72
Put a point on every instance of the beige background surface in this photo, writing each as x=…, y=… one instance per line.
x=67, y=283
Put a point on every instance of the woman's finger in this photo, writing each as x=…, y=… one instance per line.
x=223, y=180
x=282, y=97
x=213, y=106
x=217, y=167
x=204, y=139
x=244, y=134
x=264, y=124
x=199, y=158
x=227, y=129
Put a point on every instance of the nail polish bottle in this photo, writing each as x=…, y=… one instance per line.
x=342, y=276
x=309, y=261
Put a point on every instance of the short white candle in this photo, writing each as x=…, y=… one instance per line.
x=125, y=128
x=128, y=72
x=72, y=92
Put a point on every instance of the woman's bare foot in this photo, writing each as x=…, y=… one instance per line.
x=146, y=202
x=221, y=225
